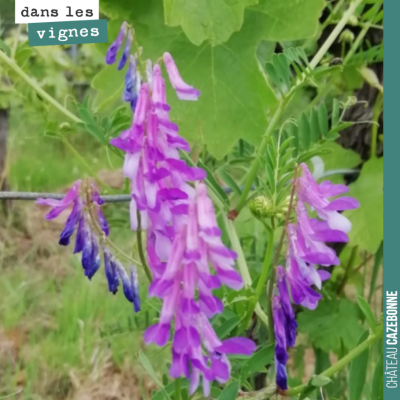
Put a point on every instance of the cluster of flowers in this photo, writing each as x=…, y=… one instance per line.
x=183, y=239
x=306, y=250
x=92, y=228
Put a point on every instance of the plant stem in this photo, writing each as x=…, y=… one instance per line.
x=374, y=129
x=244, y=271
x=349, y=269
x=266, y=268
x=11, y=63
x=267, y=393
x=343, y=361
x=177, y=389
x=140, y=248
x=101, y=234
x=334, y=34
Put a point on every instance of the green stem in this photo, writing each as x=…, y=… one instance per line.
x=177, y=389
x=11, y=63
x=349, y=269
x=244, y=271
x=267, y=393
x=374, y=130
x=100, y=232
x=334, y=34
x=332, y=370
x=140, y=248
x=267, y=264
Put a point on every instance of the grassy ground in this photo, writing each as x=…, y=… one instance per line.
x=62, y=336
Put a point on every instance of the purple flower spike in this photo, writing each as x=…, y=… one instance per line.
x=87, y=239
x=183, y=90
x=197, y=351
x=112, y=51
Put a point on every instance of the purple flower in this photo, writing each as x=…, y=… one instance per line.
x=126, y=52
x=112, y=51
x=130, y=285
x=159, y=188
x=132, y=83
x=317, y=195
x=306, y=249
x=85, y=216
x=180, y=272
x=110, y=267
x=183, y=90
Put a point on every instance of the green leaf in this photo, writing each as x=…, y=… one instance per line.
x=201, y=20
x=234, y=94
x=320, y=381
x=366, y=309
x=314, y=126
x=368, y=190
x=227, y=327
x=212, y=182
x=227, y=178
x=358, y=371
x=230, y=392
x=323, y=119
x=304, y=132
x=332, y=325
x=146, y=364
x=335, y=112
x=377, y=380
x=257, y=361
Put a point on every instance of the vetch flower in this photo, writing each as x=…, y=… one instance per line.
x=159, y=178
x=112, y=51
x=197, y=352
x=183, y=90
x=284, y=326
x=317, y=196
x=91, y=231
x=127, y=50
x=305, y=251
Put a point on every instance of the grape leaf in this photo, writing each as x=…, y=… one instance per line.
x=367, y=220
x=289, y=19
x=234, y=95
x=333, y=323
x=213, y=20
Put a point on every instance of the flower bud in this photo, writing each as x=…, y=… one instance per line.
x=261, y=206
x=353, y=21
x=346, y=36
